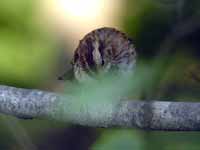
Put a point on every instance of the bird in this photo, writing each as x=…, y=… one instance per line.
x=102, y=51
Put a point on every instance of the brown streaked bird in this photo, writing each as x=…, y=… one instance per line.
x=103, y=51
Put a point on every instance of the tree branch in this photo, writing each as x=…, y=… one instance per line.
x=155, y=115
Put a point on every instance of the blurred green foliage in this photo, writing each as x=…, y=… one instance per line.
x=147, y=22
x=27, y=59
x=174, y=75
x=27, y=54
x=172, y=140
x=120, y=139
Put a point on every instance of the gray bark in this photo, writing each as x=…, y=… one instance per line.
x=154, y=115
